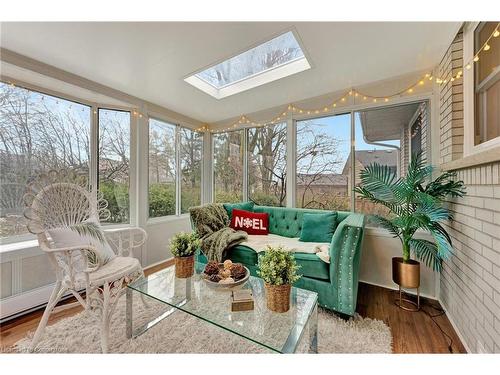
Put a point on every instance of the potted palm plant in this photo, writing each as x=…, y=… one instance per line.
x=278, y=269
x=415, y=202
x=183, y=246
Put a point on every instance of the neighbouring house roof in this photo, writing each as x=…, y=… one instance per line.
x=367, y=157
x=325, y=179
x=386, y=124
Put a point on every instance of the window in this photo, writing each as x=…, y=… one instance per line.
x=378, y=134
x=267, y=165
x=323, y=148
x=277, y=58
x=487, y=84
x=38, y=132
x=191, y=151
x=114, y=162
x=162, y=168
x=228, y=166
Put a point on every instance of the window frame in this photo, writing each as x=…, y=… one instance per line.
x=178, y=174
x=26, y=237
x=469, y=94
x=244, y=146
x=132, y=220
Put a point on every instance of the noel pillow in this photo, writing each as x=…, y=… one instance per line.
x=65, y=237
x=250, y=222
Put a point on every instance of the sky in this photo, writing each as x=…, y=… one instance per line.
x=339, y=127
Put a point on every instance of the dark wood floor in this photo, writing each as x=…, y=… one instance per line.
x=413, y=332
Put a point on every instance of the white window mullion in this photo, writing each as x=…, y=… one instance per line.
x=245, y=165
x=353, y=162
x=94, y=150
x=178, y=176
x=291, y=162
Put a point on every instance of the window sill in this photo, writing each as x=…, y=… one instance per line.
x=483, y=157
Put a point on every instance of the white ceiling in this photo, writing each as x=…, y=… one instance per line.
x=150, y=60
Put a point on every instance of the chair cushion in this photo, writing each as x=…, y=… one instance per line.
x=247, y=206
x=250, y=222
x=114, y=269
x=318, y=227
x=66, y=237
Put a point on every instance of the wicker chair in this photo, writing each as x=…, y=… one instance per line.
x=61, y=199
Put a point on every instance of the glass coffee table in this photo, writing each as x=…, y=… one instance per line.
x=279, y=332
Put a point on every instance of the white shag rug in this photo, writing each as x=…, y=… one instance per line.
x=183, y=333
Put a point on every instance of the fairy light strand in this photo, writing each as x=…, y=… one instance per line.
x=352, y=93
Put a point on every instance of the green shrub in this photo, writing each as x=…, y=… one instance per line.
x=117, y=196
x=278, y=266
x=263, y=199
x=161, y=200
x=184, y=244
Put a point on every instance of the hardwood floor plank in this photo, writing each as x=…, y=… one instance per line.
x=412, y=332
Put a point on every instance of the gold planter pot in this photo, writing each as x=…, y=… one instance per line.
x=406, y=275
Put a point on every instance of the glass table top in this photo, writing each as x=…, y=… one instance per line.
x=280, y=332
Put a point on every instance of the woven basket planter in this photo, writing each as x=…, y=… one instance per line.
x=184, y=267
x=278, y=297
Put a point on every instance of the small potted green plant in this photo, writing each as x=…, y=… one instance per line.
x=183, y=246
x=278, y=269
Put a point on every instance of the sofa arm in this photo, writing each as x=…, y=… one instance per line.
x=345, y=253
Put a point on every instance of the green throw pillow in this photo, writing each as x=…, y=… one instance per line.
x=247, y=206
x=318, y=227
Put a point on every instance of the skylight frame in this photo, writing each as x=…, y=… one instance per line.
x=294, y=66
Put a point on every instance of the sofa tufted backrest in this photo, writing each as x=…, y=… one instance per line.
x=287, y=222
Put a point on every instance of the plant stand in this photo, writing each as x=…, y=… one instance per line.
x=411, y=305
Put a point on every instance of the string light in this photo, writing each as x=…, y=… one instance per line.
x=352, y=92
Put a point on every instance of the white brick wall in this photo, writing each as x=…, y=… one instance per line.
x=470, y=281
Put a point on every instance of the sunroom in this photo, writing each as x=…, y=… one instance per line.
x=271, y=142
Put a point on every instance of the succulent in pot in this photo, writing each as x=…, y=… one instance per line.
x=278, y=269
x=183, y=247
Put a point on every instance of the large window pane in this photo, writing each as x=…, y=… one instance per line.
x=191, y=147
x=114, y=162
x=323, y=148
x=38, y=133
x=162, y=168
x=487, y=84
x=228, y=166
x=267, y=165
x=388, y=136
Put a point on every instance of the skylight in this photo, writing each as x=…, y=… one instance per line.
x=277, y=58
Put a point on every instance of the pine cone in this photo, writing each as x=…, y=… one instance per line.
x=212, y=268
x=238, y=271
x=215, y=278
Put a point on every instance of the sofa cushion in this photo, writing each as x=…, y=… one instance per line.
x=287, y=222
x=318, y=227
x=312, y=266
x=242, y=254
x=247, y=206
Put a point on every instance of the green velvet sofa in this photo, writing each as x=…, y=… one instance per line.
x=336, y=283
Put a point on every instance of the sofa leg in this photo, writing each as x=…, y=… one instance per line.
x=343, y=316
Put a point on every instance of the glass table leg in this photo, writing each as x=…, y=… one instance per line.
x=128, y=312
x=313, y=331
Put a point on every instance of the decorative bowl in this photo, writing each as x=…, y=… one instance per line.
x=222, y=286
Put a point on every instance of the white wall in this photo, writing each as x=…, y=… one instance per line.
x=159, y=234
x=376, y=263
